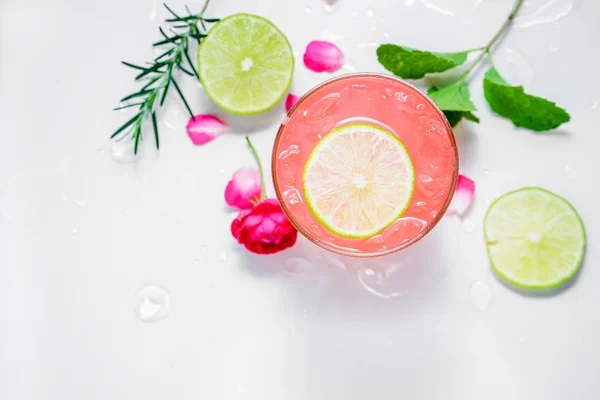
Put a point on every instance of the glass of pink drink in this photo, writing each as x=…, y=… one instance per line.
x=389, y=105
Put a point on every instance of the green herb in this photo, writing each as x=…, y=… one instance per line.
x=522, y=109
x=454, y=117
x=159, y=75
x=510, y=102
x=455, y=97
x=414, y=64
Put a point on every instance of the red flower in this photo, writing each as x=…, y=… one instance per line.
x=264, y=229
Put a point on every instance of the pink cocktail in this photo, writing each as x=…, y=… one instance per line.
x=390, y=105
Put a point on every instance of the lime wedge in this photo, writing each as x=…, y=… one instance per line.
x=358, y=180
x=535, y=239
x=245, y=64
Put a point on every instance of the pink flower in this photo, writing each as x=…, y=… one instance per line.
x=244, y=188
x=264, y=229
x=321, y=56
x=290, y=101
x=463, y=196
x=204, y=128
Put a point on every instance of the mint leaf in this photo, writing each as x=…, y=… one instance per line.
x=455, y=97
x=523, y=109
x=454, y=117
x=471, y=117
x=414, y=64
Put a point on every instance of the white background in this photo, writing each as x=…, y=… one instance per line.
x=80, y=233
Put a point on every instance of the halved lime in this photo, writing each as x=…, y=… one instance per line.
x=535, y=239
x=245, y=64
x=358, y=180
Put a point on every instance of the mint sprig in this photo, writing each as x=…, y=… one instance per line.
x=510, y=102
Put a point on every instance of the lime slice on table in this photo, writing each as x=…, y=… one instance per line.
x=535, y=239
x=358, y=180
x=245, y=64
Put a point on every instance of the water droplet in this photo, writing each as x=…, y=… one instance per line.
x=151, y=303
x=594, y=105
x=292, y=196
x=372, y=27
x=481, y=295
x=121, y=209
x=285, y=119
x=75, y=231
x=361, y=88
x=223, y=256
x=486, y=172
x=308, y=9
x=570, y=173
x=101, y=150
x=64, y=198
x=386, y=35
x=522, y=340
x=297, y=266
x=425, y=178
x=122, y=151
x=370, y=12
x=291, y=151
x=522, y=66
x=554, y=48
x=221, y=171
x=323, y=108
x=401, y=96
x=421, y=107
x=547, y=12
x=330, y=5
x=197, y=261
x=431, y=6
x=468, y=226
x=174, y=118
x=330, y=36
x=241, y=389
x=369, y=272
x=203, y=248
x=336, y=261
x=80, y=203
x=354, y=14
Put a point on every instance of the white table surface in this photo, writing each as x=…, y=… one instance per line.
x=80, y=233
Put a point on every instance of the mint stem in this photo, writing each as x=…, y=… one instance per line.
x=487, y=49
x=260, y=169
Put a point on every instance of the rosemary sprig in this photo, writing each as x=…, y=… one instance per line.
x=159, y=75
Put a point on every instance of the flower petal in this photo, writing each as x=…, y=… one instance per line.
x=290, y=101
x=203, y=128
x=463, y=196
x=322, y=56
x=244, y=188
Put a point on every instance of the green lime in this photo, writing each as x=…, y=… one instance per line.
x=245, y=64
x=358, y=180
x=535, y=239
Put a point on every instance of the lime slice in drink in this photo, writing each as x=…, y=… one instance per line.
x=535, y=239
x=358, y=180
x=245, y=64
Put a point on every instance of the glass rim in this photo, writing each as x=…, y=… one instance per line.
x=384, y=252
